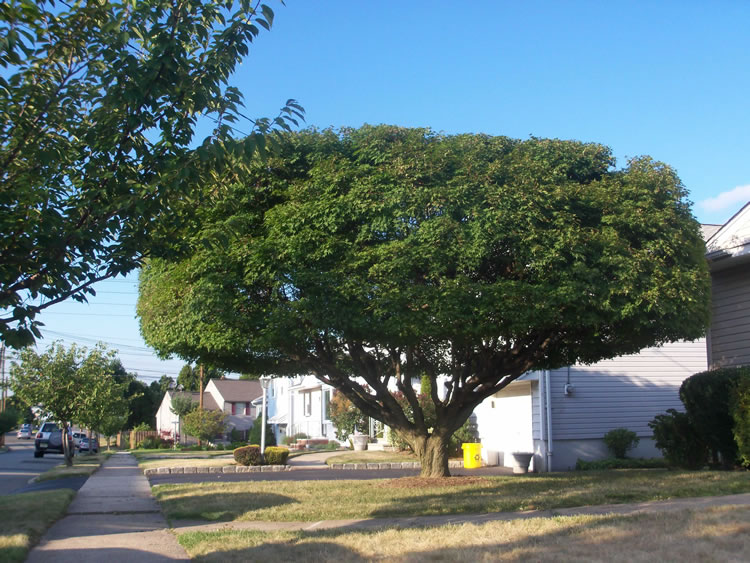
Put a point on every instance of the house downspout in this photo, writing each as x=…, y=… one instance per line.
x=548, y=405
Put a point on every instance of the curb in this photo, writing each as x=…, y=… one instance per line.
x=277, y=468
x=216, y=469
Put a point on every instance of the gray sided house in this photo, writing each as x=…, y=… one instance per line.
x=729, y=260
x=562, y=415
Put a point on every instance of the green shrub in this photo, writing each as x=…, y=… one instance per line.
x=153, y=443
x=276, y=455
x=707, y=396
x=620, y=463
x=740, y=406
x=679, y=441
x=620, y=441
x=247, y=455
x=254, y=434
x=8, y=420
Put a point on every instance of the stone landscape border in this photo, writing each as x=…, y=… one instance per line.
x=277, y=468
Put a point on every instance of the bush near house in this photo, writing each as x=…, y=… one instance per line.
x=679, y=441
x=620, y=440
x=247, y=455
x=707, y=397
x=740, y=405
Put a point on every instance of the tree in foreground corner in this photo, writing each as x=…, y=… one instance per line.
x=377, y=257
x=99, y=105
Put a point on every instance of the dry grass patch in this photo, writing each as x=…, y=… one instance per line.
x=25, y=517
x=717, y=534
x=335, y=500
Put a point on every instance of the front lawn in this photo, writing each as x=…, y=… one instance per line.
x=25, y=517
x=384, y=498
x=716, y=534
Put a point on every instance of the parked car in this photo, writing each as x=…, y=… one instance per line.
x=25, y=432
x=86, y=443
x=77, y=437
x=49, y=439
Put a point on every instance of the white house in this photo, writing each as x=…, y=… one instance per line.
x=562, y=415
x=299, y=405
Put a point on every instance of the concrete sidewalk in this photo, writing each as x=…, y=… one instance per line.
x=113, y=517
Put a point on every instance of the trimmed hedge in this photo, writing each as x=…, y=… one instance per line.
x=707, y=397
x=247, y=455
x=276, y=455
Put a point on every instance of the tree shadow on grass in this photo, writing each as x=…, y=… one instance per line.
x=216, y=506
x=608, y=537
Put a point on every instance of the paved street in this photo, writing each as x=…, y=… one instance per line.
x=19, y=465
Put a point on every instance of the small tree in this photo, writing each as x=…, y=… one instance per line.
x=345, y=416
x=101, y=397
x=254, y=434
x=181, y=406
x=203, y=424
x=111, y=425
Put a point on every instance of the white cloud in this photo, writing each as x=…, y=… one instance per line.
x=732, y=198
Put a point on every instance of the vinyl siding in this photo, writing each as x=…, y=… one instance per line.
x=730, y=327
x=627, y=391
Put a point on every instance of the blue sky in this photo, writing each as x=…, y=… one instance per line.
x=670, y=79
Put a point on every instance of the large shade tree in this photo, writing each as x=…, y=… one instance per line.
x=377, y=256
x=99, y=103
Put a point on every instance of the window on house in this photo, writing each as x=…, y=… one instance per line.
x=307, y=403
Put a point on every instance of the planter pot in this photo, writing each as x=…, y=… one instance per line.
x=359, y=441
x=521, y=461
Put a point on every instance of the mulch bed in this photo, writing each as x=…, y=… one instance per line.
x=431, y=482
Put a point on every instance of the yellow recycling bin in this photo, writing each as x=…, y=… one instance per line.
x=472, y=455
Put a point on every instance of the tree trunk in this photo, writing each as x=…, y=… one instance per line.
x=67, y=453
x=433, y=455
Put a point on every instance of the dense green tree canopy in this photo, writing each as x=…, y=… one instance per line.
x=370, y=257
x=70, y=385
x=99, y=102
x=189, y=377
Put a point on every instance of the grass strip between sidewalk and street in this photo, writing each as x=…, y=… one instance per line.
x=83, y=466
x=310, y=501
x=25, y=517
x=715, y=534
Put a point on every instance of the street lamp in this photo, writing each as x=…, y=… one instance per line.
x=265, y=381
